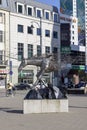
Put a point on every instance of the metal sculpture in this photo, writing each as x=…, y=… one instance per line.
x=47, y=63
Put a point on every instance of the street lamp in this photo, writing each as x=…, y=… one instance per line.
x=40, y=26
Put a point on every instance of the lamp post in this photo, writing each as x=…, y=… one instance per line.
x=40, y=26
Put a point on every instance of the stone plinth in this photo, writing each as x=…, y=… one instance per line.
x=45, y=106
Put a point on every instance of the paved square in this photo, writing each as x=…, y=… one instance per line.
x=12, y=117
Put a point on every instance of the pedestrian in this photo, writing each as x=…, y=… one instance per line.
x=9, y=89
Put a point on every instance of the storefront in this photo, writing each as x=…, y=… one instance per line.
x=3, y=78
x=26, y=76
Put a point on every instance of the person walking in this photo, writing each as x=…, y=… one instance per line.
x=9, y=89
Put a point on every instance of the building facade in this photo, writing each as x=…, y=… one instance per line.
x=4, y=43
x=25, y=41
x=76, y=9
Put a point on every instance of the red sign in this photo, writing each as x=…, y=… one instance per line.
x=3, y=71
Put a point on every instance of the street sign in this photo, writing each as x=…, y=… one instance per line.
x=11, y=72
x=65, y=49
x=78, y=67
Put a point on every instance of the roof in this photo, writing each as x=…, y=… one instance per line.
x=10, y=5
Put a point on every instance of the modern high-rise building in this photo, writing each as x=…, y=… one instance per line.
x=76, y=8
x=68, y=7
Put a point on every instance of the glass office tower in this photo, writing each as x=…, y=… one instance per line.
x=66, y=7
x=81, y=21
x=75, y=8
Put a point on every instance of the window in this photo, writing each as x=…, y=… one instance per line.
x=38, y=13
x=29, y=11
x=20, y=51
x=38, y=31
x=55, y=17
x=1, y=36
x=47, y=49
x=38, y=50
x=47, y=15
x=30, y=50
x=73, y=38
x=1, y=57
x=20, y=28
x=55, y=34
x=72, y=26
x=55, y=49
x=47, y=33
x=29, y=30
x=20, y=9
x=0, y=2
x=1, y=18
x=72, y=32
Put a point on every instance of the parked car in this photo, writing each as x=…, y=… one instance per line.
x=22, y=86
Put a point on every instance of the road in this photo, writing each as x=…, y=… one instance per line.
x=12, y=117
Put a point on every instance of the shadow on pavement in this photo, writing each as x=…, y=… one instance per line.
x=11, y=111
x=77, y=107
x=15, y=111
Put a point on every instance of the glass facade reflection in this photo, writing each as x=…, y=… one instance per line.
x=66, y=7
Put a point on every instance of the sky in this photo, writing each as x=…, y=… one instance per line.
x=50, y=2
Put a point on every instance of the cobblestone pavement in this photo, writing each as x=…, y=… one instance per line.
x=12, y=117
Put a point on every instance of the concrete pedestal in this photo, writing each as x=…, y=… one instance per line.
x=45, y=106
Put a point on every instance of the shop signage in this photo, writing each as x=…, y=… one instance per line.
x=3, y=71
x=65, y=49
x=78, y=67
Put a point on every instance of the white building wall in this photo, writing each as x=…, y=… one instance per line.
x=25, y=38
x=4, y=46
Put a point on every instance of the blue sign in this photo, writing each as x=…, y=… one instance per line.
x=11, y=72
